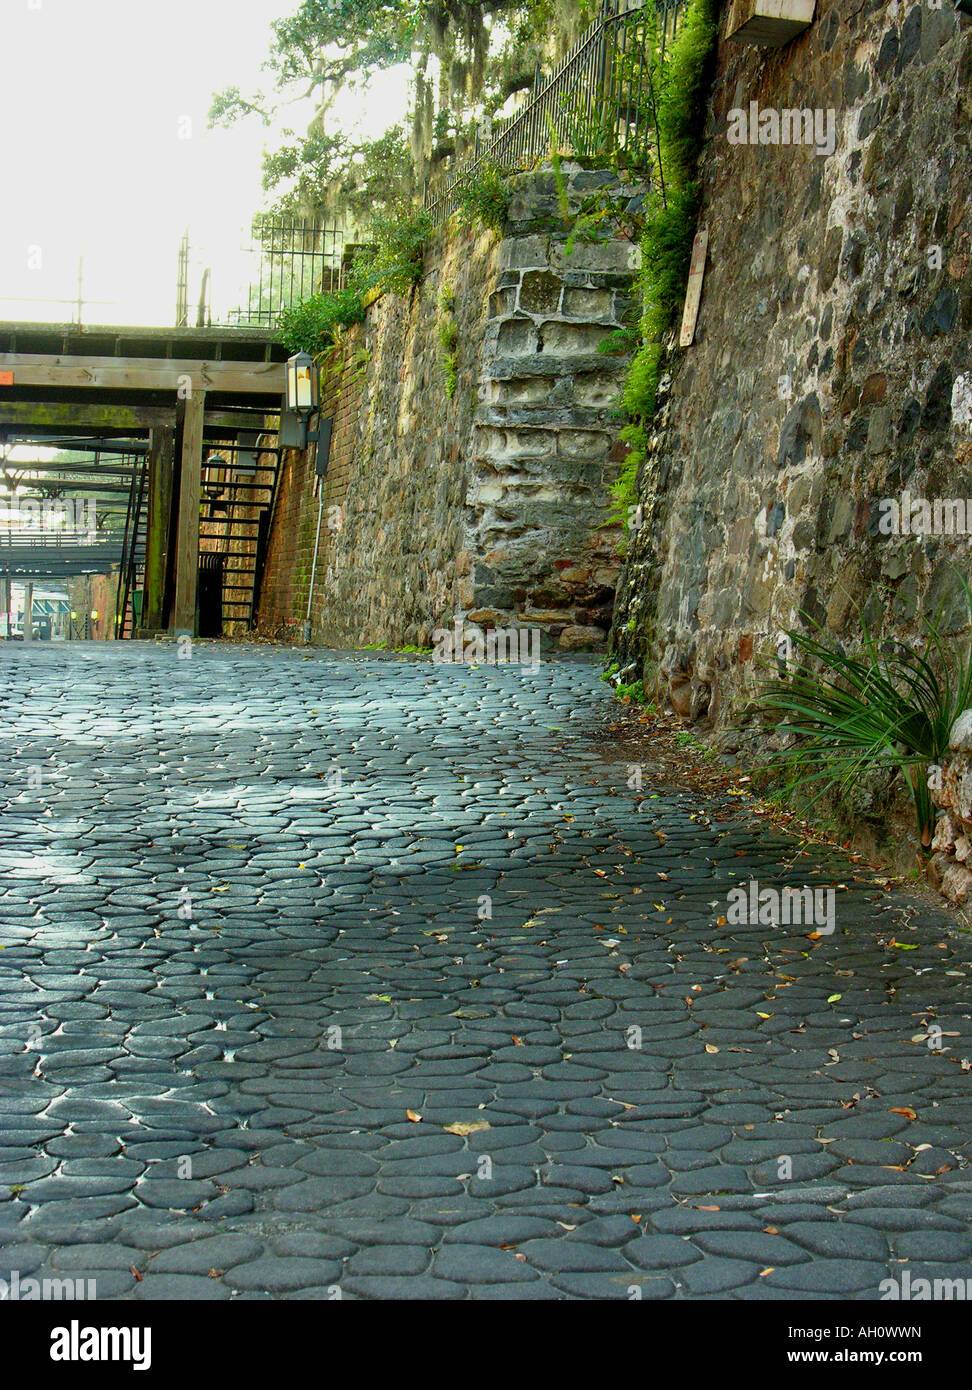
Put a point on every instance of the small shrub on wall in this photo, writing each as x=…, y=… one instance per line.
x=312, y=326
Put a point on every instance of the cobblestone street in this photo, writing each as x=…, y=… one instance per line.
x=345, y=975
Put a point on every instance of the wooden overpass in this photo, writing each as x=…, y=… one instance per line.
x=173, y=390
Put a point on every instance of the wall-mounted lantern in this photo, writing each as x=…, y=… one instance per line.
x=303, y=389
x=769, y=23
x=303, y=400
x=215, y=489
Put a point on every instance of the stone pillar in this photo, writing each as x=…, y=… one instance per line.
x=544, y=449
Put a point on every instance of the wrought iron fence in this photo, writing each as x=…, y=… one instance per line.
x=291, y=261
x=598, y=100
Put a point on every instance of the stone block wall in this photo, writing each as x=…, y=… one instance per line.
x=831, y=368
x=478, y=490
x=951, y=861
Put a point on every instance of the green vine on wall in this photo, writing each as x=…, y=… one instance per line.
x=680, y=85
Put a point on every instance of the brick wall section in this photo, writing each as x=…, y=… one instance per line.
x=290, y=554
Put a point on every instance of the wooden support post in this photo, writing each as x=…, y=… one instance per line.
x=161, y=461
x=28, y=612
x=187, y=542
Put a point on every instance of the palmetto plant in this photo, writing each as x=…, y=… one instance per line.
x=890, y=708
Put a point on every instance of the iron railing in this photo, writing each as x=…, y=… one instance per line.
x=291, y=261
x=598, y=101
x=59, y=540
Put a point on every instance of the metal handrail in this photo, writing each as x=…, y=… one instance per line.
x=600, y=89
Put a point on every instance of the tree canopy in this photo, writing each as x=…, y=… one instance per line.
x=466, y=57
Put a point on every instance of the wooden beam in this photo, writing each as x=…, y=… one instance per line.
x=161, y=462
x=61, y=416
x=187, y=541
x=72, y=418
x=143, y=374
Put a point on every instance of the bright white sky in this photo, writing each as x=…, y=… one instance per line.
x=94, y=96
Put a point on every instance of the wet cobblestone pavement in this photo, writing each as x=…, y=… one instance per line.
x=339, y=975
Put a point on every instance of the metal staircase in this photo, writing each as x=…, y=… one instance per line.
x=131, y=574
x=234, y=528
x=236, y=506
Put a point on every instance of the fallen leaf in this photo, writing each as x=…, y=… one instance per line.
x=461, y=1127
x=413, y=1115
x=904, y=1110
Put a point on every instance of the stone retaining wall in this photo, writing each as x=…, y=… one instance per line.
x=830, y=372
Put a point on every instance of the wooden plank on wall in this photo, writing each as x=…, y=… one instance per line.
x=187, y=541
x=693, y=294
